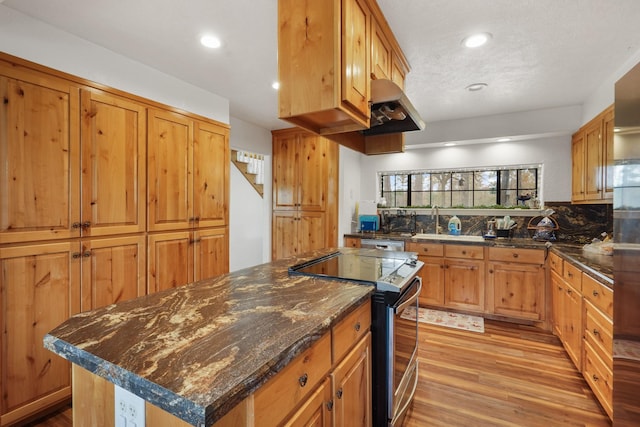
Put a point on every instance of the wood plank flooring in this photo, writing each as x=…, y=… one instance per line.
x=509, y=376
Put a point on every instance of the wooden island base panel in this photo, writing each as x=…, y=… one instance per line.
x=253, y=344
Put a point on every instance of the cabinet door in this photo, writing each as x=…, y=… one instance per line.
x=607, y=151
x=558, y=291
x=380, y=53
x=113, y=270
x=517, y=290
x=355, y=56
x=285, y=171
x=211, y=175
x=432, y=281
x=315, y=411
x=577, y=167
x=593, y=174
x=39, y=289
x=285, y=234
x=573, y=328
x=169, y=185
x=114, y=163
x=170, y=260
x=352, y=387
x=39, y=155
x=397, y=71
x=313, y=158
x=311, y=231
x=211, y=252
x=464, y=284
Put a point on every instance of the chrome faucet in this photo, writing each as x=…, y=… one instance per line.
x=434, y=210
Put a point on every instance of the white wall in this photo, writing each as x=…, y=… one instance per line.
x=349, y=190
x=553, y=153
x=38, y=42
x=249, y=214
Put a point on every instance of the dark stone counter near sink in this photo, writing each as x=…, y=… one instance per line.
x=198, y=350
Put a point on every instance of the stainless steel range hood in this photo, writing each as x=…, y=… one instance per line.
x=391, y=110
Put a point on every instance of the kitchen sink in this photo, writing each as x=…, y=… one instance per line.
x=463, y=238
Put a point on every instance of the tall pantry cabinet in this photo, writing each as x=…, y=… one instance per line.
x=74, y=233
x=305, y=192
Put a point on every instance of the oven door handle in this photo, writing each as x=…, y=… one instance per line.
x=408, y=301
x=413, y=393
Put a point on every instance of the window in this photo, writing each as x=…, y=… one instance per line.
x=506, y=187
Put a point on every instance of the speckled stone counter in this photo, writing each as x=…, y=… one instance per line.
x=198, y=350
x=600, y=267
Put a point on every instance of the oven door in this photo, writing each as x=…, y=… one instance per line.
x=402, y=369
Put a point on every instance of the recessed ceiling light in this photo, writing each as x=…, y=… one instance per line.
x=476, y=40
x=275, y=85
x=449, y=144
x=504, y=139
x=211, y=42
x=476, y=87
x=617, y=129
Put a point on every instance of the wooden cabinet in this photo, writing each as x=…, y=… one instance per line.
x=592, y=160
x=305, y=191
x=113, y=270
x=39, y=157
x=568, y=310
x=181, y=257
x=113, y=141
x=464, y=277
x=351, y=381
x=328, y=52
x=515, y=283
x=316, y=411
x=432, y=272
x=39, y=289
x=352, y=242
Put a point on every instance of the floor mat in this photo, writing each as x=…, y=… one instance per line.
x=445, y=318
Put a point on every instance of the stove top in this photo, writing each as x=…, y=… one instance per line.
x=388, y=270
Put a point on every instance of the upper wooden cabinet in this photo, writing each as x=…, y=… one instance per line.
x=39, y=158
x=328, y=51
x=592, y=160
x=185, y=191
x=113, y=141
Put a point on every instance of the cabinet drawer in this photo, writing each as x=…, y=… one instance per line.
x=282, y=393
x=599, y=377
x=527, y=256
x=599, y=333
x=600, y=295
x=349, y=331
x=573, y=275
x=461, y=251
x=555, y=262
x=426, y=249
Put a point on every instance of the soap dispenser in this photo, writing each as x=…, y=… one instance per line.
x=455, y=227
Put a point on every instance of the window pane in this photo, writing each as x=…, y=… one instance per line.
x=420, y=182
x=420, y=198
x=462, y=181
x=400, y=182
x=441, y=199
x=401, y=199
x=440, y=181
x=527, y=179
x=462, y=198
x=486, y=180
x=509, y=197
x=485, y=198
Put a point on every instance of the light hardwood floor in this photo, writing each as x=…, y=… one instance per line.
x=509, y=376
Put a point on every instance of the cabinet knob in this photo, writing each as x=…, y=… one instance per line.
x=570, y=274
x=464, y=252
x=515, y=255
x=357, y=327
x=595, y=293
x=339, y=393
x=76, y=225
x=595, y=377
x=425, y=249
x=595, y=332
x=303, y=380
x=86, y=254
x=76, y=255
x=490, y=271
x=330, y=405
x=85, y=225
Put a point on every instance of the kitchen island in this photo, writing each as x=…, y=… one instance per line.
x=199, y=350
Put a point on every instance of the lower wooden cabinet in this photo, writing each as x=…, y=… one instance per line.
x=39, y=289
x=316, y=411
x=181, y=257
x=432, y=273
x=351, y=381
x=464, y=277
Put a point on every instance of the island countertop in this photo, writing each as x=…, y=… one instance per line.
x=198, y=350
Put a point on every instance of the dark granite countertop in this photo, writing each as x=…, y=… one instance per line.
x=600, y=267
x=198, y=350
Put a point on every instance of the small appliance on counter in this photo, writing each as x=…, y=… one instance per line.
x=369, y=222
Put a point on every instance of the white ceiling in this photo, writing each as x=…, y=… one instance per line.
x=544, y=53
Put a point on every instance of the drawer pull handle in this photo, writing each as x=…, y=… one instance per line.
x=464, y=252
x=595, y=332
x=330, y=405
x=570, y=274
x=515, y=255
x=339, y=393
x=303, y=380
x=357, y=327
x=76, y=225
x=595, y=378
x=595, y=293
